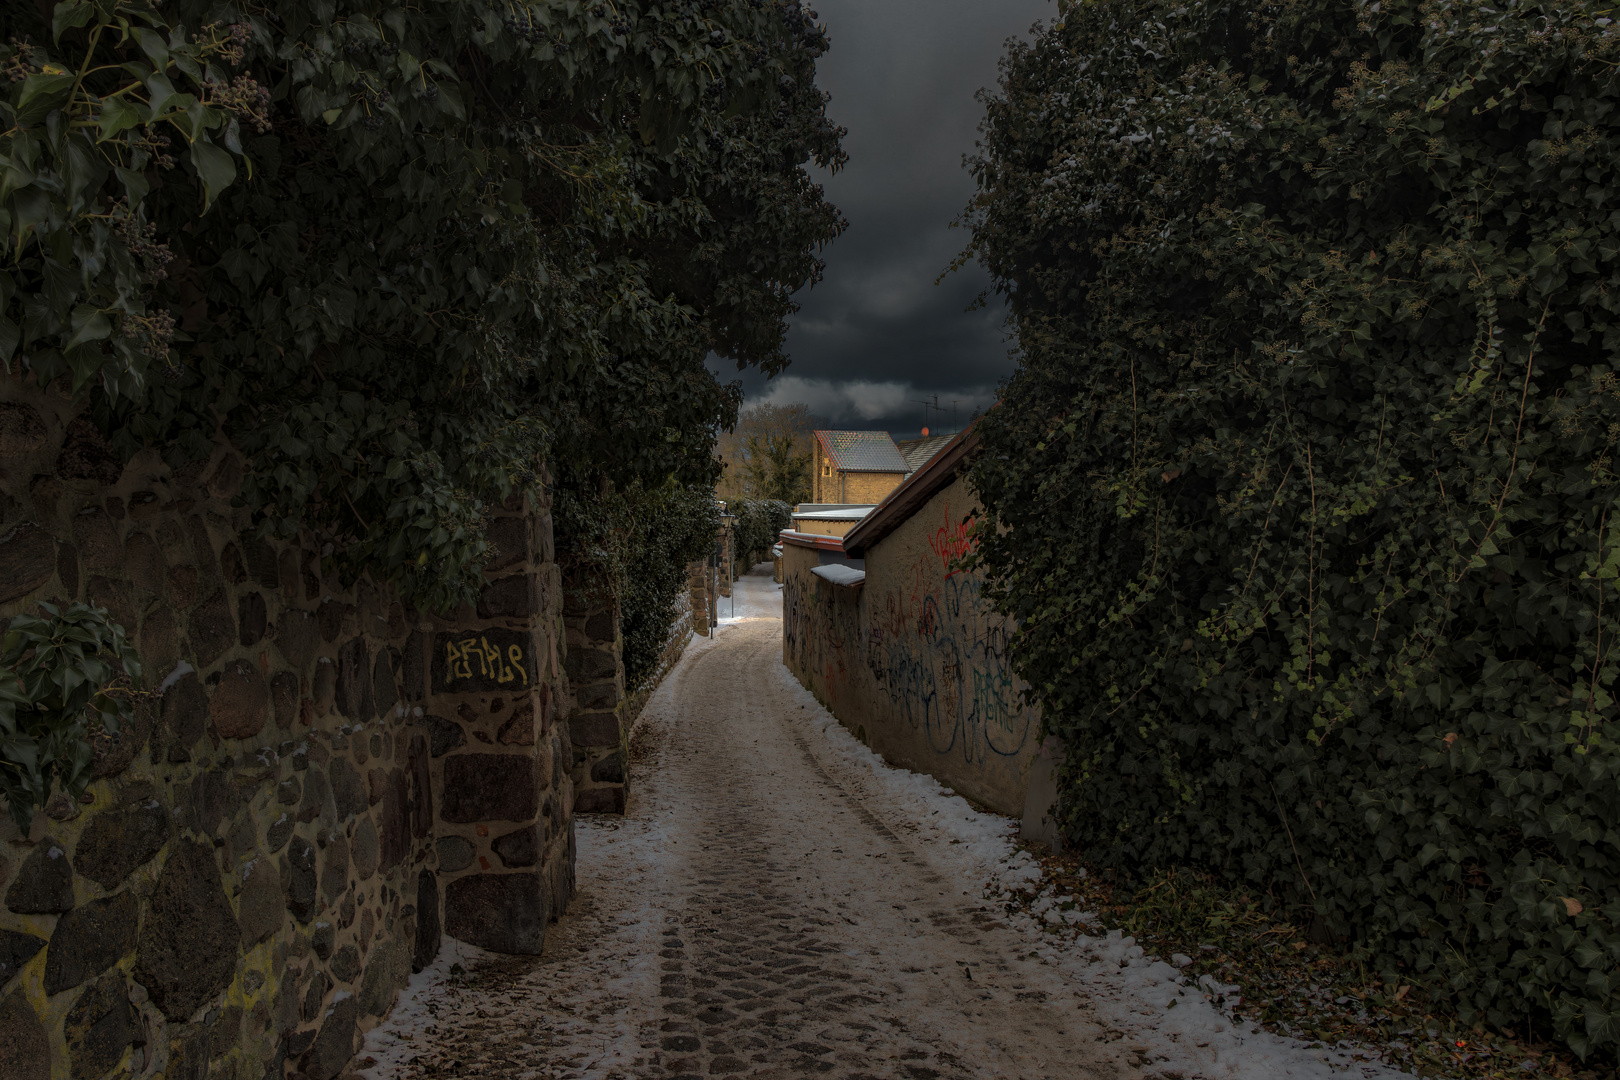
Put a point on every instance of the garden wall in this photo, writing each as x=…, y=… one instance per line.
x=914, y=660
x=317, y=780
x=591, y=621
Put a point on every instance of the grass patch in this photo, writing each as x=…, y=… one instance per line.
x=1294, y=987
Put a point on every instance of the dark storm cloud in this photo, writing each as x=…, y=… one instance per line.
x=877, y=334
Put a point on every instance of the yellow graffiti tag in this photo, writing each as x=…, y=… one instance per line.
x=460, y=656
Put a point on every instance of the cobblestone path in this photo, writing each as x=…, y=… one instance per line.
x=759, y=912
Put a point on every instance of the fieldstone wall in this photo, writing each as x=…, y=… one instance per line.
x=700, y=592
x=257, y=865
x=500, y=756
x=706, y=584
x=595, y=667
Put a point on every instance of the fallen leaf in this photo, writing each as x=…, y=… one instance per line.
x=1169, y=475
x=1400, y=995
x=1450, y=738
x=1574, y=907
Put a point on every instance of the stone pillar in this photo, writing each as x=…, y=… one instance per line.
x=499, y=749
x=699, y=585
x=595, y=668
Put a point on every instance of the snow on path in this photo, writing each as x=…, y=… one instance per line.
x=753, y=596
x=780, y=902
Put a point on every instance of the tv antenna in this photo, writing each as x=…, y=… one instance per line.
x=934, y=405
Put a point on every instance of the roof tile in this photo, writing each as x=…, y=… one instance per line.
x=862, y=451
x=918, y=452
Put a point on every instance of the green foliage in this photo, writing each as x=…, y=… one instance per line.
x=638, y=543
x=1317, y=309
x=57, y=675
x=402, y=253
x=674, y=527
x=759, y=523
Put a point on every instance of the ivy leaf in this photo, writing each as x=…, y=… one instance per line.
x=10, y=335
x=215, y=167
x=29, y=209
x=160, y=91
x=117, y=115
x=135, y=185
x=153, y=45
x=40, y=95
x=89, y=325
x=450, y=100
x=70, y=16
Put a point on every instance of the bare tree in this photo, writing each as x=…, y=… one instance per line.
x=768, y=455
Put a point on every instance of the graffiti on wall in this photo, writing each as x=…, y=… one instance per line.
x=927, y=644
x=491, y=659
x=951, y=542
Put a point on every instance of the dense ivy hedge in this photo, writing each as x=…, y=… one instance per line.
x=1304, y=495
x=759, y=522
x=638, y=541
x=402, y=253
x=674, y=527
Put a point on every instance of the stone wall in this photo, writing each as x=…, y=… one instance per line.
x=595, y=666
x=729, y=571
x=680, y=635
x=700, y=595
x=707, y=583
x=504, y=797
x=256, y=867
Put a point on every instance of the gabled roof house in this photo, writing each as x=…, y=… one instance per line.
x=855, y=467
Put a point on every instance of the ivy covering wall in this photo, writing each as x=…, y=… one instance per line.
x=403, y=254
x=639, y=542
x=1317, y=308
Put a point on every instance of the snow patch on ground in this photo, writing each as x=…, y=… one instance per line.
x=1147, y=999
x=753, y=596
x=394, y=1042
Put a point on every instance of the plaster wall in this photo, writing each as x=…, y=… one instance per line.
x=824, y=528
x=914, y=661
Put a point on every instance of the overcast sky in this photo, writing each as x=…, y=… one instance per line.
x=877, y=335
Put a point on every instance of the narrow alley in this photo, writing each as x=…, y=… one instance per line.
x=770, y=906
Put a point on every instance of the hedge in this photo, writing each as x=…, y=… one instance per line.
x=1303, y=495
x=404, y=255
x=640, y=540
x=759, y=522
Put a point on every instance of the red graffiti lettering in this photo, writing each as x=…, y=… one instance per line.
x=951, y=542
